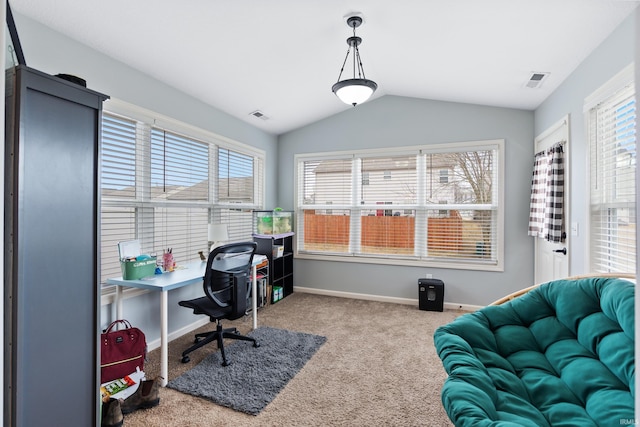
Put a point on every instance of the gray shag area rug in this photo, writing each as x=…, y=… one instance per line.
x=255, y=375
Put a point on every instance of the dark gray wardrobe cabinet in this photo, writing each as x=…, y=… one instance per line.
x=51, y=290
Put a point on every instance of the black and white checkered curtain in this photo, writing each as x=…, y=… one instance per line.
x=547, y=195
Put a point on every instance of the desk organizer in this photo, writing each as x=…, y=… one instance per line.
x=134, y=270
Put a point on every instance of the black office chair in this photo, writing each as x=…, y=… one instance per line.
x=226, y=287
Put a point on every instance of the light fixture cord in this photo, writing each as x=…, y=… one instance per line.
x=356, y=56
x=345, y=61
x=357, y=61
x=355, y=50
x=360, y=67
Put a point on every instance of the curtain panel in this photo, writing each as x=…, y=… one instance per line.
x=546, y=211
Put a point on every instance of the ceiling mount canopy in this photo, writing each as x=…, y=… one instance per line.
x=358, y=89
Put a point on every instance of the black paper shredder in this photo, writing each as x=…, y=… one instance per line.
x=431, y=294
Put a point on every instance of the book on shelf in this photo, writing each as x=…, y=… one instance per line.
x=262, y=292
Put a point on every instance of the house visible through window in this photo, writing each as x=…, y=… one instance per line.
x=612, y=140
x=426, y=218
x=163, y=187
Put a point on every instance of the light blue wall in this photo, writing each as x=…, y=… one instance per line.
x=398, y=121
x=54, y=53
x=615, y=53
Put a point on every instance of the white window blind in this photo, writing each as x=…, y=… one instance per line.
x=612, y=141
x=118, y=178
x=118, y=224
x=385, y=204
x=325, y=201
x=463, y=225
x=179, y=167
x=183, y=229
x=164, y=187
x=118, y=185
x=239, y=186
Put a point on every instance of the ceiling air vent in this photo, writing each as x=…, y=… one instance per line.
x=259, y=114
x=535, y=80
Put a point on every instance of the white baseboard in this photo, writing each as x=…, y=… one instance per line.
x=380, y=298
x=152, y=345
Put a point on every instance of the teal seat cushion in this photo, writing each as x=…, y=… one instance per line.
x=560, y=355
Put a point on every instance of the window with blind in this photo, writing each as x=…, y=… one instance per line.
x=612, y=142
x=163, y=187
x=437, y=205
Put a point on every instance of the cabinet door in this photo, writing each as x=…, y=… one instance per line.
x=51, y=259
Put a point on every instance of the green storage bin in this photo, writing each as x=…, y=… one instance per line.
x=134, y=270
x=277, y=293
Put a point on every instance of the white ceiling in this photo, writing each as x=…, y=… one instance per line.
x=282, y=56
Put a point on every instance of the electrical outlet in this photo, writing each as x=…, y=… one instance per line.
x=428, y=276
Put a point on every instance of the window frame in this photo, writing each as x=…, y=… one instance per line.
x=621, y=86
x=142, y=201
x=466, y=264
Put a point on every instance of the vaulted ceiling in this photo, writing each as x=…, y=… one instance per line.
x=282, y=56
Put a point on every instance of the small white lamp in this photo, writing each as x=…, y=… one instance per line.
x=217, y=235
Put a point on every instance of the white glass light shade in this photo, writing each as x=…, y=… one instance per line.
x=354, y=91
x=217, y=234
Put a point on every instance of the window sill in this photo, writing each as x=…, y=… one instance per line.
x=462, y=265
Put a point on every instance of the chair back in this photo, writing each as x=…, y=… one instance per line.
x=226, y=277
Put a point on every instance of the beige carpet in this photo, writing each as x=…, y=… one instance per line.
x=378, y=368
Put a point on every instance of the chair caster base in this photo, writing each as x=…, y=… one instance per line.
x=186, y=359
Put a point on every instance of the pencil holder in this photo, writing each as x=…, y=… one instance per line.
x=168, y=263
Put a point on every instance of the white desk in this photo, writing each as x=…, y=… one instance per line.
x=186, y=274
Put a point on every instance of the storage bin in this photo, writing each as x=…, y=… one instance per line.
x=134, y=270
x=277, y=293
x=278, y=251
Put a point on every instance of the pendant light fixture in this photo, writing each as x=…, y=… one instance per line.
x=358, y=89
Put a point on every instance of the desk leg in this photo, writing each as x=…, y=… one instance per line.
x=254, y=296
x=164, y=344
x=119, y=303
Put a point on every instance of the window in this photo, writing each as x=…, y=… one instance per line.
x=164, y=184
x=612, y=142
x=179, y=167
x=453, y=222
